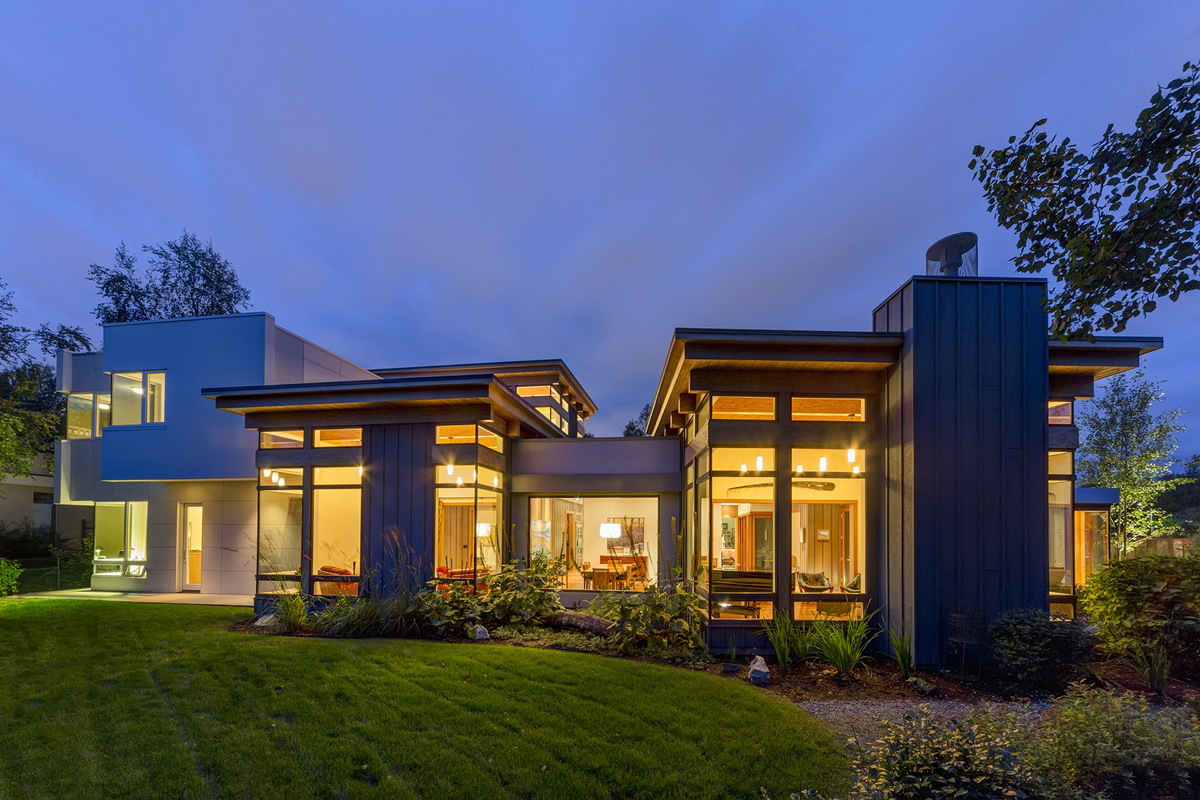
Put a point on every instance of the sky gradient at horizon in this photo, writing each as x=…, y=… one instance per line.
x=448, y=183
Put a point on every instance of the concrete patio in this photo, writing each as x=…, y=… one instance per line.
x=182, y=598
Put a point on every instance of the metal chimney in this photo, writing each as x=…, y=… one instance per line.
x=955, y=256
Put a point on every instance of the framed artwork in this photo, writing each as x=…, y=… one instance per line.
x=822, y=535
x=539, y=535
x=633, y=532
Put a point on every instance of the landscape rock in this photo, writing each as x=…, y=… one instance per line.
x=264, y=621
x=759, y=674
x=478, y=633
x=582, y=622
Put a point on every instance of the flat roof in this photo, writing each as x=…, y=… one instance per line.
x=1103, y=358
x=548, y=366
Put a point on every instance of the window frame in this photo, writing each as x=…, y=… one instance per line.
x=130, y=567
x=144, y=399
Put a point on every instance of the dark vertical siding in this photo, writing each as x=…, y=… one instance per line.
x=964, y=503
x=398, y=501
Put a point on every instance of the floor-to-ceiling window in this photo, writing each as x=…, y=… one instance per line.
x=828, y=530
x=611, y=543
x=741, y=523
x=470, y=540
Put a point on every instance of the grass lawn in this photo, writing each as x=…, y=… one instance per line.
x=102, y=699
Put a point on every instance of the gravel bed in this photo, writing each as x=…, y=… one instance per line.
x=859, y=719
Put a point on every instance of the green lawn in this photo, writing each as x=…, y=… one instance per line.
x=102, y=699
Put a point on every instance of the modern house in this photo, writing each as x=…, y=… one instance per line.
x=923, y=467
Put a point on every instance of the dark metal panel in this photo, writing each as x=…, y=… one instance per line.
x=1071, y=385
x=590, y=483
x=1062, y=437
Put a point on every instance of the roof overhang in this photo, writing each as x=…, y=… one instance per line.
x=553, y=370
x=703, y=350
x=1103, y=358
x=463, y=392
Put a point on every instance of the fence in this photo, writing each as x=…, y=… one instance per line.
x=48, y=574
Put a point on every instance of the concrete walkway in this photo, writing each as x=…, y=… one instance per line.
x=184, y=598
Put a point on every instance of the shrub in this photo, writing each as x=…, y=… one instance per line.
x=1040, y=650
x=843, y=644
x=1153, y=601
x=663, y=616
x=10, y=575
x=449, y=607
x=517, y=595
x=558, y=640
x=1096, y=743
x=923, y=758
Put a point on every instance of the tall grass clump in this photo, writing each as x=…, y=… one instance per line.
x=778, y=630
x=901, y=641
x=291, y=611
x=843, y=643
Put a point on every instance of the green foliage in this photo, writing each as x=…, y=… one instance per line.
x=1111, y=744
x=558, y=640
x=922, y=758
x=291, y=611
x=1089, y=744
x=448, y=607
x=779, y=631
x=901, y=641
x=802, y=642
x=10, y=576
x=661, y=616
x=1152, y=601
x=517, y=595
x=637, y=425
x=1116, y=226
x=186, y=279
x=373, y=616
x=1125, y=446
x=843, y=643
x=1041, y=650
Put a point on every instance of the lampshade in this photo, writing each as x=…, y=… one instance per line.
x=610, y=530
x=483, y=529
x=824, y=465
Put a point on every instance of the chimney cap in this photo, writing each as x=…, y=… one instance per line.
x=954, y=256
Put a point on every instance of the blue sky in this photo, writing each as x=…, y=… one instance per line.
x=453, y=182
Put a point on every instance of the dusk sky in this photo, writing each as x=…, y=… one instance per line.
x=410, y=184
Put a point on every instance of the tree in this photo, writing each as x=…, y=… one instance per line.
x=1116, y=226
x=637, y=425
x=31, y=411
x=186, y=279
x=1123, y=445
x=1183, y=501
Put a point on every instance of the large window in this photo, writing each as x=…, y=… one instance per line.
x=120, y=544
x=79, y=416
x=139, y=397
x=1091, y=536
x=742, y=551
x=1061, y=539
x=608, y=543
x=280, y=513
x=337, y=529
x=470, y=538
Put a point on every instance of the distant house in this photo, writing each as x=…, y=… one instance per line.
x=28, y=502
x=920, y=467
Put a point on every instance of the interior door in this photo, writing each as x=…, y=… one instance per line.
x=191, y=545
